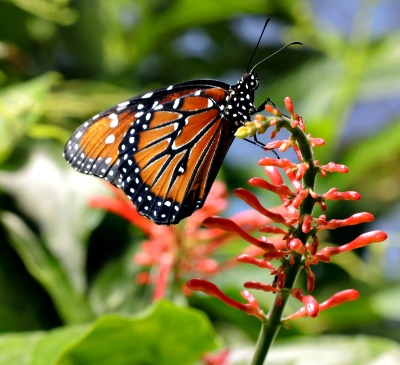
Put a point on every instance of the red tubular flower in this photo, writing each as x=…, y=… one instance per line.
x=334, y=194
x=299, y=198
x=310, y=279
x=272, y=110
x=333, y=167
x=253, y=261
x=120, y=205
x=316, y=142
x=289, y=107
x=292, y=177
x=301, y=170
x=230, y=226
x=252, y=308
x=252, y=201
x=361, y=241
x=281, y=189
x=260, y=286
x=296, y=245
x=274, y=144
x=269, y=161
x=274, y=175
x=357, y=218
x=339, y=298
x=272, y=229
x=307, y=223
x=311, y=306
x=336, y=299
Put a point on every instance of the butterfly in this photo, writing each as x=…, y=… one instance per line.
x=164, y=148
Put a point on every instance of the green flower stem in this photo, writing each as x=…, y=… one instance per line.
x=271, y=326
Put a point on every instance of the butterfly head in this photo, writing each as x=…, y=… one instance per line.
x=240, y=99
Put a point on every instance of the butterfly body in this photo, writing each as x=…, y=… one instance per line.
x=164, y=148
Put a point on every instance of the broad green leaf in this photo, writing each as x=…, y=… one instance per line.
x=165, y=334
x=71, y=306
x=16, y=348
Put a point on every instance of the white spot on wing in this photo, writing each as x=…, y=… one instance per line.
x=110, y=139
x=138, y=114
x=176, y=104
x=114, y=120
x=122, y=106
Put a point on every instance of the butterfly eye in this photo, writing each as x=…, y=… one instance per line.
x=255, y=85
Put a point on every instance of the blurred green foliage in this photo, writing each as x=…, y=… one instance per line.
x=64, y=264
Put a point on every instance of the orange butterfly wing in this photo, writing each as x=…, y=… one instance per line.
x=164, y=148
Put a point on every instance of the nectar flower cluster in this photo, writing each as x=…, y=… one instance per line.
x=290, y=236
x=172, y=254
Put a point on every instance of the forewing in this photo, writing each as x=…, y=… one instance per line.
x=163, y=148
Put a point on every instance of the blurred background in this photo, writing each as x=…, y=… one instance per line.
x=63, y=61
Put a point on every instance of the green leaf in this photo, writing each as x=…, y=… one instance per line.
x=47, y=271
x=16, y=349
x=21, y=106
x=114, y=289
x=165, y=334
x=64, y=223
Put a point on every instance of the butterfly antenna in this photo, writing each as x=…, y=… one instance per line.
x=258, y=43
x=273, y=54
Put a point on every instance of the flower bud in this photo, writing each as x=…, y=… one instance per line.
x=307, y=223
x=272, y=110
x=340, y=298
x=260, y=286
x=334, y=167
x=296, y=245
x=334, y=194
x=289, y=105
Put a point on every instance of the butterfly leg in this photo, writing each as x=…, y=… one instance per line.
x=262, y=106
